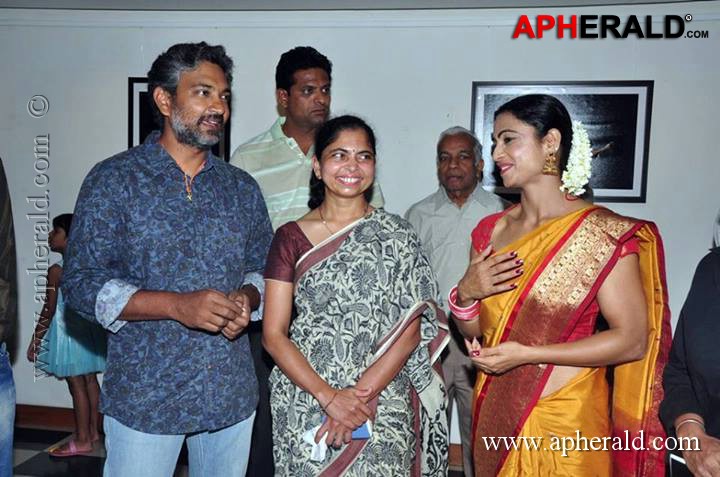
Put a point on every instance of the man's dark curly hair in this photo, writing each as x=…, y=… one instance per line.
x=299, y=58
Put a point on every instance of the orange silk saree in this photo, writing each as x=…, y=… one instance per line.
x=566, y=262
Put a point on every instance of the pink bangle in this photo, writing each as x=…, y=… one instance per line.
x=462, y=313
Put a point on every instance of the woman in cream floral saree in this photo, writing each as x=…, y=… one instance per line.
x=366, y=332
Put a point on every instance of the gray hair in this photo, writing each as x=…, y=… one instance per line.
x=166, y=69
x=455, y=130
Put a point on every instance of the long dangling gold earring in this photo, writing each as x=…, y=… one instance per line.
x=550, y=167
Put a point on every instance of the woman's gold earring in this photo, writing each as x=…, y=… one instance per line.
x=550, y=168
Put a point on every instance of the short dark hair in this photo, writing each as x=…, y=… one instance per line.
x=299, y=58
x=543, y=112
x=63, y=221
x=165, y=70
x=325, y=135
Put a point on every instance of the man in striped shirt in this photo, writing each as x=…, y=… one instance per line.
x=280, y=159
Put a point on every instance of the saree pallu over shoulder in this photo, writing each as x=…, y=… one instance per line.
x=574, y=256
x=638, y=385
x=355, y=294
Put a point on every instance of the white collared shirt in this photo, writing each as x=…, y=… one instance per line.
x=444, y=230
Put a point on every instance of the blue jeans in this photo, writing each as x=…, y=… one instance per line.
x=132, y=453
x=7, y=413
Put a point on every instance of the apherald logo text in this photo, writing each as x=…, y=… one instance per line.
x=601, y=26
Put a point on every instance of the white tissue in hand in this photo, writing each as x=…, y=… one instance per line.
x=318, y=449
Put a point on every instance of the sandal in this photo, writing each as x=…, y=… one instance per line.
x=71, y=450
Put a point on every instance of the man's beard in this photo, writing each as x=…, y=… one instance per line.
x=191, y=134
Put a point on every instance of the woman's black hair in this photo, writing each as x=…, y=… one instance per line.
x=63, y=221
x=324, y=136
x=543, y=112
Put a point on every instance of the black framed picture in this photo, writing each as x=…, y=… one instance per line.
x=141, y=122
x=616, y=115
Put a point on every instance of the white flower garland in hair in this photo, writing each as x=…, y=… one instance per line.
x=577, y=172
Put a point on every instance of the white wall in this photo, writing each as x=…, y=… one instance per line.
x=408, y=72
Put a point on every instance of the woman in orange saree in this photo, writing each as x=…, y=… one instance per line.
x=543, y=404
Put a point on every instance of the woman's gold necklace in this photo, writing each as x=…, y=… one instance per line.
x=322, y=218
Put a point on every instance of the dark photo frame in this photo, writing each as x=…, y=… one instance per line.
x=141, y=122
x=616, y=115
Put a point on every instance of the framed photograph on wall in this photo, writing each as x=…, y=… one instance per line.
x=615, y=113
x=141, y=122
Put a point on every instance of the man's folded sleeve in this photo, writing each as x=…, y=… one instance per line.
x=94, y=281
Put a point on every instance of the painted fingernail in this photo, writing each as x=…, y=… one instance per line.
x=474, y=353
x=514, y=285
x=518, y=271
x=519, y=261
x=513, y=253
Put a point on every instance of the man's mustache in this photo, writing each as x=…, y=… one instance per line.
x=213, y=118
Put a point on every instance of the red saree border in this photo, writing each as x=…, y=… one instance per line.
x=649, y=462
x=569, y=247
x=541, y=268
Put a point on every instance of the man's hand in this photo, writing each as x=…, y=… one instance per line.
x=207, y=310
x=236, y=326
x=704, y=462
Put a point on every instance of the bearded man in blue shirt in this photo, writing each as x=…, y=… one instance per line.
x=166, y=252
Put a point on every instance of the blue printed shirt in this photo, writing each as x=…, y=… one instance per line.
x=134, y=228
